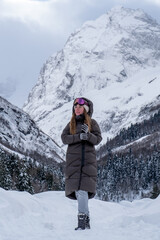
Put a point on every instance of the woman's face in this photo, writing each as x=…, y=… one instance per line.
x=78, y=109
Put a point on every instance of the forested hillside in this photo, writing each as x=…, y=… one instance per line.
x=26, y=174
x=129, y=164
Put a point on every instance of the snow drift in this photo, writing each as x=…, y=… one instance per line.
x=50, y=215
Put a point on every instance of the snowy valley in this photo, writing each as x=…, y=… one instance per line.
x=114, y=61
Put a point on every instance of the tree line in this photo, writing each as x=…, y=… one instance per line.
x=26, y=174
x=129, y=176
x=132, y=133
x=129, y=166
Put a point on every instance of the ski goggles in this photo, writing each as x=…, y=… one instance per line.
x=80, y=101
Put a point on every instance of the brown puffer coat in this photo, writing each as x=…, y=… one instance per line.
x=81, y=164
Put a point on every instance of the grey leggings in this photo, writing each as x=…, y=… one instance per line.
x=82, y=198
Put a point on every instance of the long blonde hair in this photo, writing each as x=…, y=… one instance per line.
x=87, y=120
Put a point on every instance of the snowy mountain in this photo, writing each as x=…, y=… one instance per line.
x=114, y=61
x=51, y=216
x=20, y=135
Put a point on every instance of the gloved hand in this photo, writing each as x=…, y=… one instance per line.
x=83, y=136
x=85, y=128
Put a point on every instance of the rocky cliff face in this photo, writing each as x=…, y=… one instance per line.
x=20, y=134
x=114, y=61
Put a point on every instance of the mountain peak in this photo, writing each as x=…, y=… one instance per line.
x=132, y=18
x=110, y=60
x=120, y=11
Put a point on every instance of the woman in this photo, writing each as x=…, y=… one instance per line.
x=81, y=134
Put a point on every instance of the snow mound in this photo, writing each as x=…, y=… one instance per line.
x=51, y=216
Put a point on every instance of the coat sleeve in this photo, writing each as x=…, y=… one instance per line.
x=95, y=135
x=68, y=138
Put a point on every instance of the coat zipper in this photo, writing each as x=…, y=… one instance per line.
x=82, y=162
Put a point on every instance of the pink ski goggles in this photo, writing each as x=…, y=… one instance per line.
x=80, y=101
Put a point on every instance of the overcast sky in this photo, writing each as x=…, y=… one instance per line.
x=32, y=30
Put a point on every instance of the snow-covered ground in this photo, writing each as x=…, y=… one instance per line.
x=51, y=216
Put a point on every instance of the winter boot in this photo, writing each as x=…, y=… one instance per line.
x=87, y=222
x=81, y=221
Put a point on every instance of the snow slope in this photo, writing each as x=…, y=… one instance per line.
x=19, y=133
x=51, y=216
x=114, y=61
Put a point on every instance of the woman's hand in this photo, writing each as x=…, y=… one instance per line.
x=84, y=136
x=85, y=128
